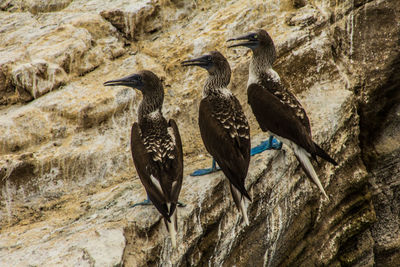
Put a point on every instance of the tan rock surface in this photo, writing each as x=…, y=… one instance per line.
x=66, y=175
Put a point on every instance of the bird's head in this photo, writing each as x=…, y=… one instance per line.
x=259, y=42
x=214, y=62
x=253, y=40
x=145, y=81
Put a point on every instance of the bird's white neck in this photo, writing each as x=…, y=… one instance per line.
x=151, y=106
x=259, y=67
x=216, y=84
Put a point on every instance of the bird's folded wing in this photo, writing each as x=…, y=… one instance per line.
x=223, y=143
x=177, y=163
x=278, y=117
x=147, y=170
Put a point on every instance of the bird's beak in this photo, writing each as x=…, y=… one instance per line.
x=200, y=61
x=248, y=37
x=126, y=81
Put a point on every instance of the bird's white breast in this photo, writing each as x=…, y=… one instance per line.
x=271, y=73
x=274, y=75
x=253, y=78
x=225, y=92
x=154, y=115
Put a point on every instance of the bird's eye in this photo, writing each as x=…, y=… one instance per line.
x=209, y=58
x=255, y=36
x=139, y=78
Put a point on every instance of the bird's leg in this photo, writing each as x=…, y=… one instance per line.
x=200, y=172
x=181, y=204
x=147, y=202
x=271, y=143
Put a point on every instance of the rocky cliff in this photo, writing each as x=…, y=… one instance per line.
x=66, y=176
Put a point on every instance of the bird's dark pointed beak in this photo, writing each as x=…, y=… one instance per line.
x=248, y=37
x=200, y=61
x=126, y=81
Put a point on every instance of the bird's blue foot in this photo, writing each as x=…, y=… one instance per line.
x=181, y=204
x=271, y=143
x=147, y=202
x=201, y=172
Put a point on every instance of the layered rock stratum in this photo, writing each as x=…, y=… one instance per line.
x=66, y=175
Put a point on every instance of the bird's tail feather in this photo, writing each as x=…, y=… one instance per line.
x=321, y=153
x=302, y=156
x=172, y=226
x=239, y=200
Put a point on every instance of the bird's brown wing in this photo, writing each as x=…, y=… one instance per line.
x=224, y=144
x=177, y=165
x=147, y=168
x=279, y=118
x=243, y=129
x=287, y=98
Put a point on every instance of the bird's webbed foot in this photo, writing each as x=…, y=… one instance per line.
x=271, y=143
x=145, y=202
x=201, y=172
x=148, y=202
x=181, y=204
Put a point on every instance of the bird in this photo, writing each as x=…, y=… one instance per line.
x=223, y=126
x=156, y=148
x=276, y=109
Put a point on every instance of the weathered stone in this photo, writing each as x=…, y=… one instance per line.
x=34, y=6
x=42, y=54
x=128, y=20
x=38, y=77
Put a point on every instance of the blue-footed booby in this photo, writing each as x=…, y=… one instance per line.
x=276, y=109
x=223, y=125
x=156, y=148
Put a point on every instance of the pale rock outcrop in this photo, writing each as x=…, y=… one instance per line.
x=54, y=44
x=33, y=6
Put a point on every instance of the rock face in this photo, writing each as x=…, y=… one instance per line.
x=66, y=176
